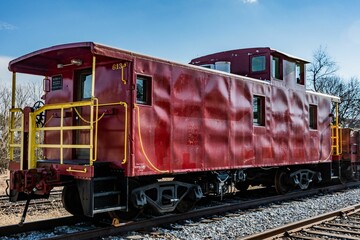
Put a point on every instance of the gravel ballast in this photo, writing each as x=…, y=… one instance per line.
x=237, y=224
x=243, y=223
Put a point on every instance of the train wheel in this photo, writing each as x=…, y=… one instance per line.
x=282, y=185
x=71, y=200
x=185, y=206
x=242, y=186
x=132, y=212
x=346, y=173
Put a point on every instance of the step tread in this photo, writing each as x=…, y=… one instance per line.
x=103, y=178
x=107, y=193
x=108, y=209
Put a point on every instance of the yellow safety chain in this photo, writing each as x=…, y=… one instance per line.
x=82, y=118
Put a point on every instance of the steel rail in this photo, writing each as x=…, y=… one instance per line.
x=171, y=218
x=162, y=220
x=285, y=230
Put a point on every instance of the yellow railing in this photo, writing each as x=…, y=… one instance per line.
x=336, y=134
x=34, y=131
x=336, y=140
x=16, y=134
x=34, y=142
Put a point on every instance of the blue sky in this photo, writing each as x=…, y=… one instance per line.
x=180, y=30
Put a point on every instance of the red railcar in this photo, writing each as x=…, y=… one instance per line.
x=121, y=131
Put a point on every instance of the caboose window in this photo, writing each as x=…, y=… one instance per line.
x=86, y=82
x=258, y=63
x=300, y=73
x=259, y=110
x=143, y=90
x=276, y=68
x=313, y=116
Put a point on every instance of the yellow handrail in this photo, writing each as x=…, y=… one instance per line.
x=142, y=145
x=93, y=125
x=336, y=134
x=34, y=145
x=20, y=143
x=336, y=140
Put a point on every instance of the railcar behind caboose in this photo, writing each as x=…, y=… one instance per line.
x=123, y=131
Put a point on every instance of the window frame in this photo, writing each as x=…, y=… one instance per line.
x=313, y=118
x=80, y=76
x=147, y=100
x=260, y=106
x=276, y=68
x=301, y=80
x=208, y=66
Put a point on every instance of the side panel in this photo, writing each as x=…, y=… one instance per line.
x=298, y=128
x=324, y=129
x=152, y=123
x=113, y=87
x=187, y=120
x=318, y=145
x=217, y=123
x=241, y=130
x=263, y=143
x=200, y=121
x=280, y=123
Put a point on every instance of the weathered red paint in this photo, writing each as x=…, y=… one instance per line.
x=351, y=145
x=199, y=119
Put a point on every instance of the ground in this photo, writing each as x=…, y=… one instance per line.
x=12, y=214
x=3, y=177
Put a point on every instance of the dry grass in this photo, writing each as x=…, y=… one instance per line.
x=8, y=218
x=12, y=214
x=3, y=176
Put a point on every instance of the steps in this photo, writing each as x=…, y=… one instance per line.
x=107, y=195
x=104, y=193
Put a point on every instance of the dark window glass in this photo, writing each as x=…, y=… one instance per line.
x=143, y=90
x=313, y=116
x=258, y=63
x=276, y=69
x=259, y=111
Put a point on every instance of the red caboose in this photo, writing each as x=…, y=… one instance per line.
x=121, y=131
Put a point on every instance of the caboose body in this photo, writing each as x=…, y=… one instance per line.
x=121, y=131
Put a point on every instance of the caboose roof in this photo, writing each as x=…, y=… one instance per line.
x=248, y=51
x=288, y=55
x=45, y=60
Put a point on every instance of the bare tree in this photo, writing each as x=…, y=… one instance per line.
x=321, y=68
x=26, y=95
x=5, y=101
x=322, y=78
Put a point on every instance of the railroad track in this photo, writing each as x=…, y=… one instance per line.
x=340, y=224
x=99, y=230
